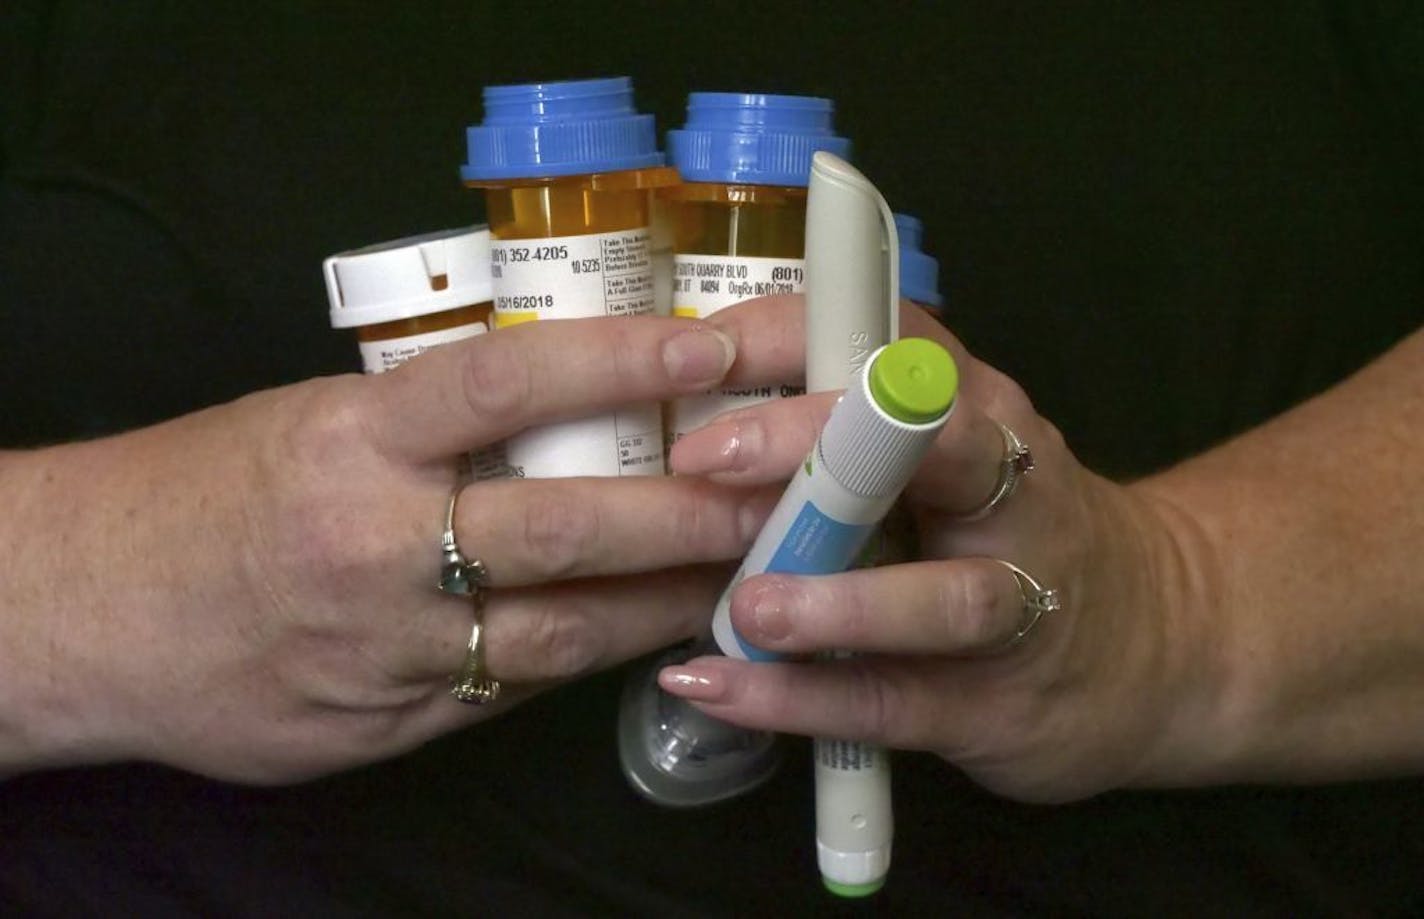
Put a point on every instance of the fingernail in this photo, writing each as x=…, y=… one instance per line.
x=769, y=614
x=723, y=446
x=689, y=681
x=698, y=356
x=710, y=449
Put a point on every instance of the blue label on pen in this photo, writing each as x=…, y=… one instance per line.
x=818, y=544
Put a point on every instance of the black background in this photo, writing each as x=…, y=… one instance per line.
x=1168, y=220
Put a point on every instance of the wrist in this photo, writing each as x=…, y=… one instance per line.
x=1202, y=733
x=46, y=718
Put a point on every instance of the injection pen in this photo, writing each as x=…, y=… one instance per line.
x=865, y=455
x=852, y=308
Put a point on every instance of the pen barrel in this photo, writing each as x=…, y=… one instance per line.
x=854, y=816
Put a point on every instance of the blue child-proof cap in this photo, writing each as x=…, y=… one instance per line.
x=919, y=271
x=753, y=139
x=573, y=127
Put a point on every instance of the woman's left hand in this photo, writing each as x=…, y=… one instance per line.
x=1109, y=690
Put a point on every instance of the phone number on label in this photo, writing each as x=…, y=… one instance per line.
x=506, y=254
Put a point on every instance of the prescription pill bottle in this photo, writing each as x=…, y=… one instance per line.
x=409, y=295
x=739, y=220
x=919, y=271
x=568, y=170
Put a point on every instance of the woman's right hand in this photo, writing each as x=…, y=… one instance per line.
x=1212, y=623
x=249, y=591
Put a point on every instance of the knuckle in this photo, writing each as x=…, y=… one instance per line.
x=560, y=530
x=496, y=380
x=299, y=528
x=328, y=428
x=626, y=357
x=561, y=644
x=688, y=524
x=1006, y=396
x=880, y=704
x=857, y=620
x=704, y=523
x=971, y=607
x=1051, y=438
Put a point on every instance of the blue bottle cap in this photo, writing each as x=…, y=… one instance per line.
x=919, y=271
x=753, y=139
x=536, y=130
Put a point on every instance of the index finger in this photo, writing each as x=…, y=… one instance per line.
x=477, y=391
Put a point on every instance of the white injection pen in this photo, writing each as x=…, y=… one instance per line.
x=820, y=526
x=852, y=308
x=867, y=452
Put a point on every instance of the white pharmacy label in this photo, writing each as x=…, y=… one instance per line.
x=704, y=284
x=572, y=277
x=576, y=277
x=380, y=356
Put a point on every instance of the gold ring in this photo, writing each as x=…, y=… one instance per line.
x=472, y=684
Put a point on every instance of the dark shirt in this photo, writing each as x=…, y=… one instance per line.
x=1168, y=224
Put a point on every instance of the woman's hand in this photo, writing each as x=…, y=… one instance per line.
x=1096, y=695
x=250, y=592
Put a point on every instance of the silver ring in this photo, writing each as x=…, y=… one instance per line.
x=471, y=683
x=459, y=576
x=1037, y=600
x=1017, y=462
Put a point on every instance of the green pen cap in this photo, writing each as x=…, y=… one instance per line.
x=914, y=380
